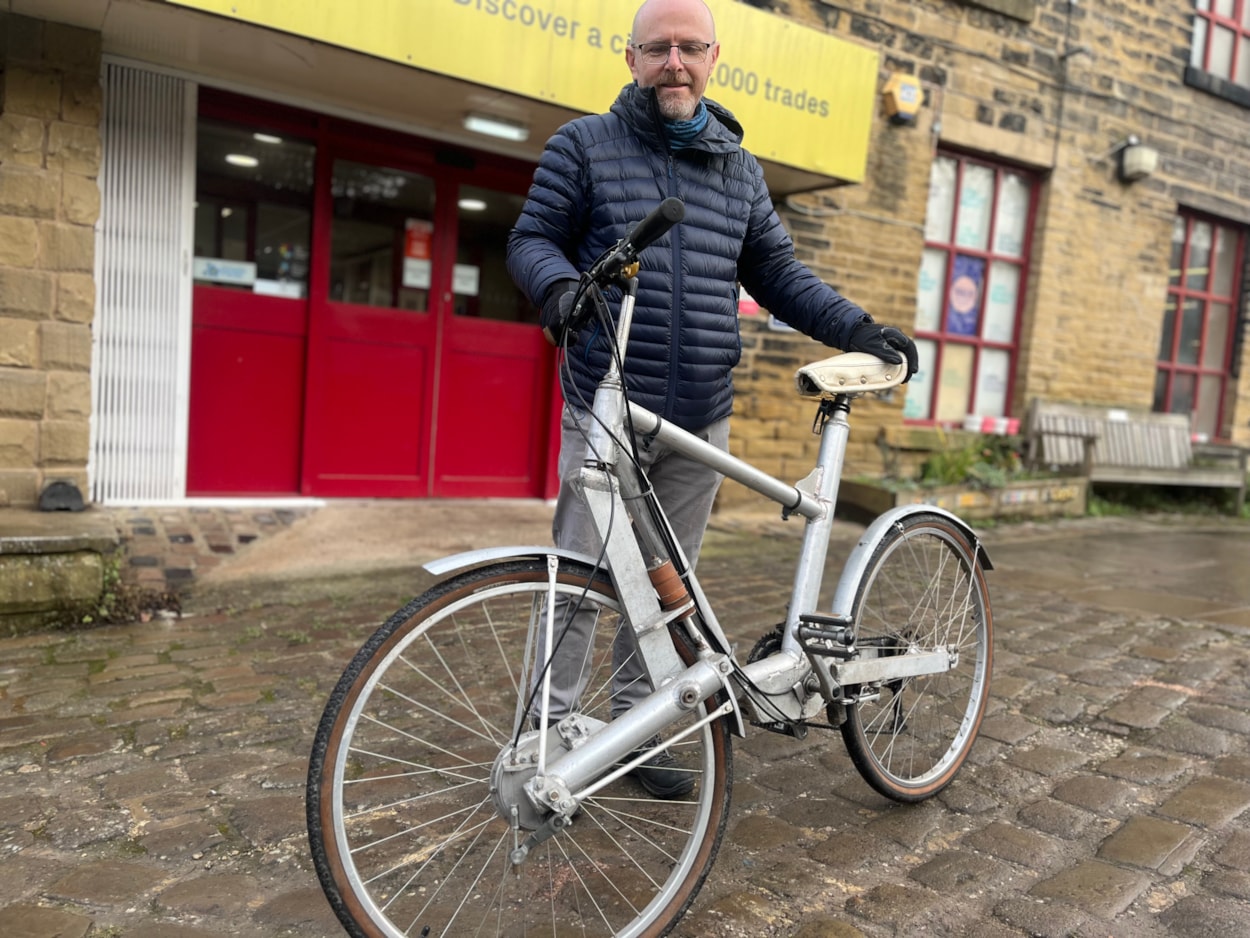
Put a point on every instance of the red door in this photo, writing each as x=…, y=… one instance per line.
x=494, y=399
x=253, y=223
x=428, y=374
x=393, y=357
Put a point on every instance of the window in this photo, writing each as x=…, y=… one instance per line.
x=1199, y=323
x=969, y=289
x=253, y=209
x=382, y=236
x=1222, y=40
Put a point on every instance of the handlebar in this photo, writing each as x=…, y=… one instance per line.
x=663, y=217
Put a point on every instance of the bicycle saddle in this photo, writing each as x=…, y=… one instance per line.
x=848, y=373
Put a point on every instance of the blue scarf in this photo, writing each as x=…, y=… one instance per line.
x=682, y=133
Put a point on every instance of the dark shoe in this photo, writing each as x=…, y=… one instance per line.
x=660, y=775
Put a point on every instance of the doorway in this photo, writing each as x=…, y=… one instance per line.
x=355, y=331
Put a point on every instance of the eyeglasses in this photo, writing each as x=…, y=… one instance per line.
x=656, y=53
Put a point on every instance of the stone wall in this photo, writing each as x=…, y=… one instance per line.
x=997, y=82
x=50, y=109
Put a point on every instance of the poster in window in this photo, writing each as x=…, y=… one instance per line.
x=955, y=383
x=929, y=284
x=992, y=383
x=920, y=388
x=1011, y=216
x=1000, y=302
x=972, y=229
x=418, y=233
x=941, y=207
x=963, y=299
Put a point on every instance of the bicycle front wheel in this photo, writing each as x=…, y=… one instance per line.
x=413, y=816
x=923, y=590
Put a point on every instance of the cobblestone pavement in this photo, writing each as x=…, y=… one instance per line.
x=151, y=775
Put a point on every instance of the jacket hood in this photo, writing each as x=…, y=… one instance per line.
x=638, y=108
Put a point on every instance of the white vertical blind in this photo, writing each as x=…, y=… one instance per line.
x=142, y=331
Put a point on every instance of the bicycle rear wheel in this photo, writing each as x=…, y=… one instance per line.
x=409, y=811
x=923, y=589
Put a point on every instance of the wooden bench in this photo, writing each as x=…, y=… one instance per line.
x=1110, y=444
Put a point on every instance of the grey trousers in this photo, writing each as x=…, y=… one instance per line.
x=686, y=490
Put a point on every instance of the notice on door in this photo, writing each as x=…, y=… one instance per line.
x=418, y=233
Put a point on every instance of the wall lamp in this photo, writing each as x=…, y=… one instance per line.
x=496, y=127
x=1133, y=159
x=1137, y=161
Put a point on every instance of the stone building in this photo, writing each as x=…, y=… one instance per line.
x=1066, y=216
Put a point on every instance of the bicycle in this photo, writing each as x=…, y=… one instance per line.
x=445, y=798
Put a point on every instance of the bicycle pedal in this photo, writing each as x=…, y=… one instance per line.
x=826, y=636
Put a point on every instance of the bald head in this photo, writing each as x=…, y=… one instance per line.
x=657, y=13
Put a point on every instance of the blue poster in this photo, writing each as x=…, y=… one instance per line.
x=963, y=300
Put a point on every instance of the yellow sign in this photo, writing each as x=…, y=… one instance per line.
x=804, y=98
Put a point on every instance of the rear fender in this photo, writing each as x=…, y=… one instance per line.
x=857, y=563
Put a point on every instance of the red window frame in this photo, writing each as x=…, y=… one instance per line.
x=1235, y=19
x=1179, y=294
x=943, y=338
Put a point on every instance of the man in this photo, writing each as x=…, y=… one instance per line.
x=599, y=176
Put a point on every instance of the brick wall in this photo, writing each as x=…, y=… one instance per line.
x=997, y=83
x=50, y=107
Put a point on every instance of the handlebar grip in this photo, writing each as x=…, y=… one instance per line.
x=663, y=217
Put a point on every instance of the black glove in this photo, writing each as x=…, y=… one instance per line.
x=557, y=308
x=887, y=343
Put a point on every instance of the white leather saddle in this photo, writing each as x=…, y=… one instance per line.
x=848, y=373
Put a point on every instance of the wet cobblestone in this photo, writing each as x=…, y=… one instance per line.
x=151, y=775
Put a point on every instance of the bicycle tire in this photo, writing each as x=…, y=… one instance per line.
x=923, y=588
x=404, y=831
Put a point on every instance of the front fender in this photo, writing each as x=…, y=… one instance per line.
x=857, y=563
x=454, y=563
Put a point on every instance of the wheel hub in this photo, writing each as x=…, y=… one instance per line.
x=516, y=765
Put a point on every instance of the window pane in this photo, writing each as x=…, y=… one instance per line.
x=480, y=281
x=1012, y=215
x=920, y=387
x=1242, y=76
x=1000, y=302
x=1178, y=251
x=1199, y=256
x=1191, y=332
x=941, y=208
x=955, y=383
x=929, y=288
x=1207, y=416
x=253, y=206
x=992, y=383
x=1225, y=261
x=973, y=222
x=1200, y=43
x=1182, y=394
x=1221, y=52
x=1217, y=337
x=1224, y=8
x=381, y=236
x=1161, y=389
x=1245, y=14
x=963, y=300
x=1169, y=329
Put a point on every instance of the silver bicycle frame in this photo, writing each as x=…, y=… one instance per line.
x=775, y=686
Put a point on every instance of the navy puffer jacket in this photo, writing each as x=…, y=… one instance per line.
x=601, y=175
